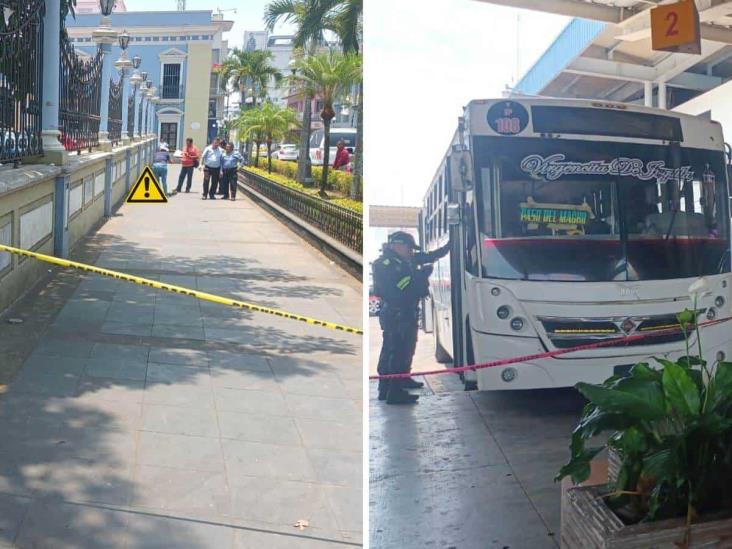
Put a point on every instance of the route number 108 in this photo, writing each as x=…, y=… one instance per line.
x=508, y=125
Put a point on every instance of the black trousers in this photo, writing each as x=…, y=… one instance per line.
x=228, y=182
x=212, y=175
x=185, y=172
x=398, y=346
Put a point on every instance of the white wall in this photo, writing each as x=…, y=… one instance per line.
x=717, y=101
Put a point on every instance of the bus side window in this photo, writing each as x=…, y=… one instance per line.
x=471, y=245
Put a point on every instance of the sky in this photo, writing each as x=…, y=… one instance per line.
x=248, y=14
x=423, y=61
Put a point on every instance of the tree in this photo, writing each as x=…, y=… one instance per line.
x=252, y=68
x=248, y=126
x=345, y=18
x=275, y=122
x=328, y=76
x=309, y=22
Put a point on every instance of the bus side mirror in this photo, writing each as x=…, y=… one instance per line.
x=453, y=214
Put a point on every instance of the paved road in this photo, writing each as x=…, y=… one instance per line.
x=146, y=419
x=466, y=470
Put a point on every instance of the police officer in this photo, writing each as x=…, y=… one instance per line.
x=401, y=279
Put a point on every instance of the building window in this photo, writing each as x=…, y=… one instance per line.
x=169, y=133
x=171, y=81
x=212, y=108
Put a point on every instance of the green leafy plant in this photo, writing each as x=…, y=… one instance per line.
x=671, y=427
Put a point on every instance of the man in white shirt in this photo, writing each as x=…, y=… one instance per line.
x=211, y=164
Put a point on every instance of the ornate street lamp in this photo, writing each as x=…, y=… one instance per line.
x=124, y=40
x=136, y=61
x=106, y=6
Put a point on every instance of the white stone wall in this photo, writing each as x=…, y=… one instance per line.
x=35, y=225
x=6, y=237
x=76, y=199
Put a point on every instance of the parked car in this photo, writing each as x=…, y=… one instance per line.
x=317, y=144
x=374, y=303
x=286, y=151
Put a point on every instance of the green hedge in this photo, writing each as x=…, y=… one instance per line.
x=289, y=181
x=337, y=180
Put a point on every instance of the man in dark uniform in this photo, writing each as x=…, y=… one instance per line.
x=401, y=279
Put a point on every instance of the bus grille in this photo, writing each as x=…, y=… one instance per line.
x=570, y=332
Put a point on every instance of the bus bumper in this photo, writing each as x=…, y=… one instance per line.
x=566, y=371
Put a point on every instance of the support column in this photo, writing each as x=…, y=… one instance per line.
x=104, y=36
x=61, y=216
x=648, y=93
x=108, y=183
x=53, y=150
x=140, y=122
x=662, y=95
x=123, y=65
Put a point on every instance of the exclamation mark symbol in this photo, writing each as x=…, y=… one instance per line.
x=147, y=187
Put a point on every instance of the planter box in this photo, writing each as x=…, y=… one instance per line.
x=588, y=523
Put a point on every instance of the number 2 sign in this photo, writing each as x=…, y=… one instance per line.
x=675, y=28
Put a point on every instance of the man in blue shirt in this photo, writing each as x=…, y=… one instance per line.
x=211, y=164
x=230, y=162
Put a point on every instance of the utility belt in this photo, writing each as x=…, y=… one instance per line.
x=391, y=315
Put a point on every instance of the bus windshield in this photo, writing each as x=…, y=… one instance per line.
x=589, y=211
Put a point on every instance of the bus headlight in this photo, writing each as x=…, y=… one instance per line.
x=503, y=312
x=719, y=302
x=495, y=292
x=517, y=323
x=711, y=313
x=509, y=374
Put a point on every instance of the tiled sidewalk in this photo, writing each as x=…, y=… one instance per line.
x=148, y=419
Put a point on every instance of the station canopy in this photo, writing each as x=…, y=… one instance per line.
x=605, y=53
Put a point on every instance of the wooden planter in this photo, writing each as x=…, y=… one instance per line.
x=588, y=523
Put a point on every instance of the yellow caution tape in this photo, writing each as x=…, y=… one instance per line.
x=180, y=290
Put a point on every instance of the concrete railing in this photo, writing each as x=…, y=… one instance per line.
x=49, y=209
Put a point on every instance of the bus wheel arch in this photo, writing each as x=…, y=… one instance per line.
x=441, y=355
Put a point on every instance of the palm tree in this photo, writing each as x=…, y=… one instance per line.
x=309, y=23
x=345, y=18
x=328, y=76
x=275, y=122
x=248, y=68
x=248, y=126
x=245, y=70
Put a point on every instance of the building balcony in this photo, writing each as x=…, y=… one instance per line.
x=172, y=91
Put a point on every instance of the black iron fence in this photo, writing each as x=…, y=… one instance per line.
x=114, y=124
x=131, y=116
x=21, y=75
x=344, y=225
x=80, y=98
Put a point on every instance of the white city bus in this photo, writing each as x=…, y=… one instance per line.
x=572, y=222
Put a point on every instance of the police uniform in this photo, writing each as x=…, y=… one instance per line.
x=400, y=283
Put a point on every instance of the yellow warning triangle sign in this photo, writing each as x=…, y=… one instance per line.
x=147, y=189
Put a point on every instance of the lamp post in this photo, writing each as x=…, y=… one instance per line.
x=151, y=109
x=141, y=113
x=105, y=36
x=123, y=65
x=135, y=80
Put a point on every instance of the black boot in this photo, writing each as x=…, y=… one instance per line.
x=400, y=396
x=410, y=383
x=383, y=388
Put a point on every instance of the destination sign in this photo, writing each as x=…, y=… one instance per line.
x=556, y=166
x=551, y=215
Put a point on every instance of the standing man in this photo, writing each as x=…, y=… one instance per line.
x=342, y=158
x=160, y=166
x=229, y=166
x=401, y=282
x=187, y=163
x=211, y=159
